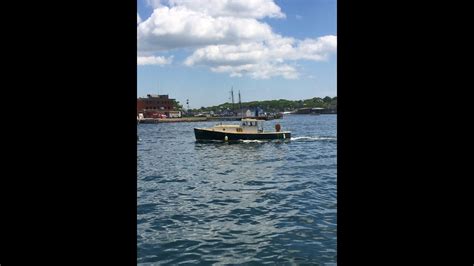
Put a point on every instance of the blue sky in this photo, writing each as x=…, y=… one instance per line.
x=267, y=49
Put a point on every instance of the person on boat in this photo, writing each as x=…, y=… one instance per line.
x=277, y=127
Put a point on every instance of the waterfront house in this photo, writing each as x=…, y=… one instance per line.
x=154, y=106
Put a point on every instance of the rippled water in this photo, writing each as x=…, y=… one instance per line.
x=252, y=202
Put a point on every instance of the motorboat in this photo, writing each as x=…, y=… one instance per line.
x=248, y=129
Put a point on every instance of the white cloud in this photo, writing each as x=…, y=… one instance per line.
x=263, y=59
x=227, y=37
x=215, y=55
x=233, y=8
x=178, y=27
x=317, y=49
x=139, y=19
x=154, y=60
x=262, y=70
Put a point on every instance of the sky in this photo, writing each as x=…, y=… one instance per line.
x=266, y=49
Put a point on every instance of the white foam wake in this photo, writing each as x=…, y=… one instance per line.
x=313, y=138
x=252, y=141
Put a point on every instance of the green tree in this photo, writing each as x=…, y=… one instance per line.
x=177, y=105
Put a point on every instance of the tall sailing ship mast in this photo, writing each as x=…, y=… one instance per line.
x=240, y=106
x=232, y=96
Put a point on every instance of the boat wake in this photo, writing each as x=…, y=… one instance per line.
x=253, y=141
x=302, y=139
x=316, y=138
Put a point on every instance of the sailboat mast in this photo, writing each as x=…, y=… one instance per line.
x=240, y=106
x=232, y=95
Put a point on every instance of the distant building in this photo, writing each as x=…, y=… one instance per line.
x=253, y=112
x=259, y=112
x=173, y=114
x=155, y=106
x=315, y=110
x=227, y=112
x=249, y=113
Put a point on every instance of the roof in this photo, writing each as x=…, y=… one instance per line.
x=161, y=96
x=226, y=126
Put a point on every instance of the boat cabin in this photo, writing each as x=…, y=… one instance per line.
x=246, y=126
x=252, y=125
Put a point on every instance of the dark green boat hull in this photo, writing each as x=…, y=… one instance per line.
x=203, y=134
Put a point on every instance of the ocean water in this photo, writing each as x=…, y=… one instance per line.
x=252, y=202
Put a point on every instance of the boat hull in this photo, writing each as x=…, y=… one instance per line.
x=206, y=134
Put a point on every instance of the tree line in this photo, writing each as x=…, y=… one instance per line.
x=280, y=105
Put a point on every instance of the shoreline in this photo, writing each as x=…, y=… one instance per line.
x=202, y=119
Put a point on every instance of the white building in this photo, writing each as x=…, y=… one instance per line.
x=174, y=114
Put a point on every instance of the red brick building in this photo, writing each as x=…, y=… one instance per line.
x=155, y=105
